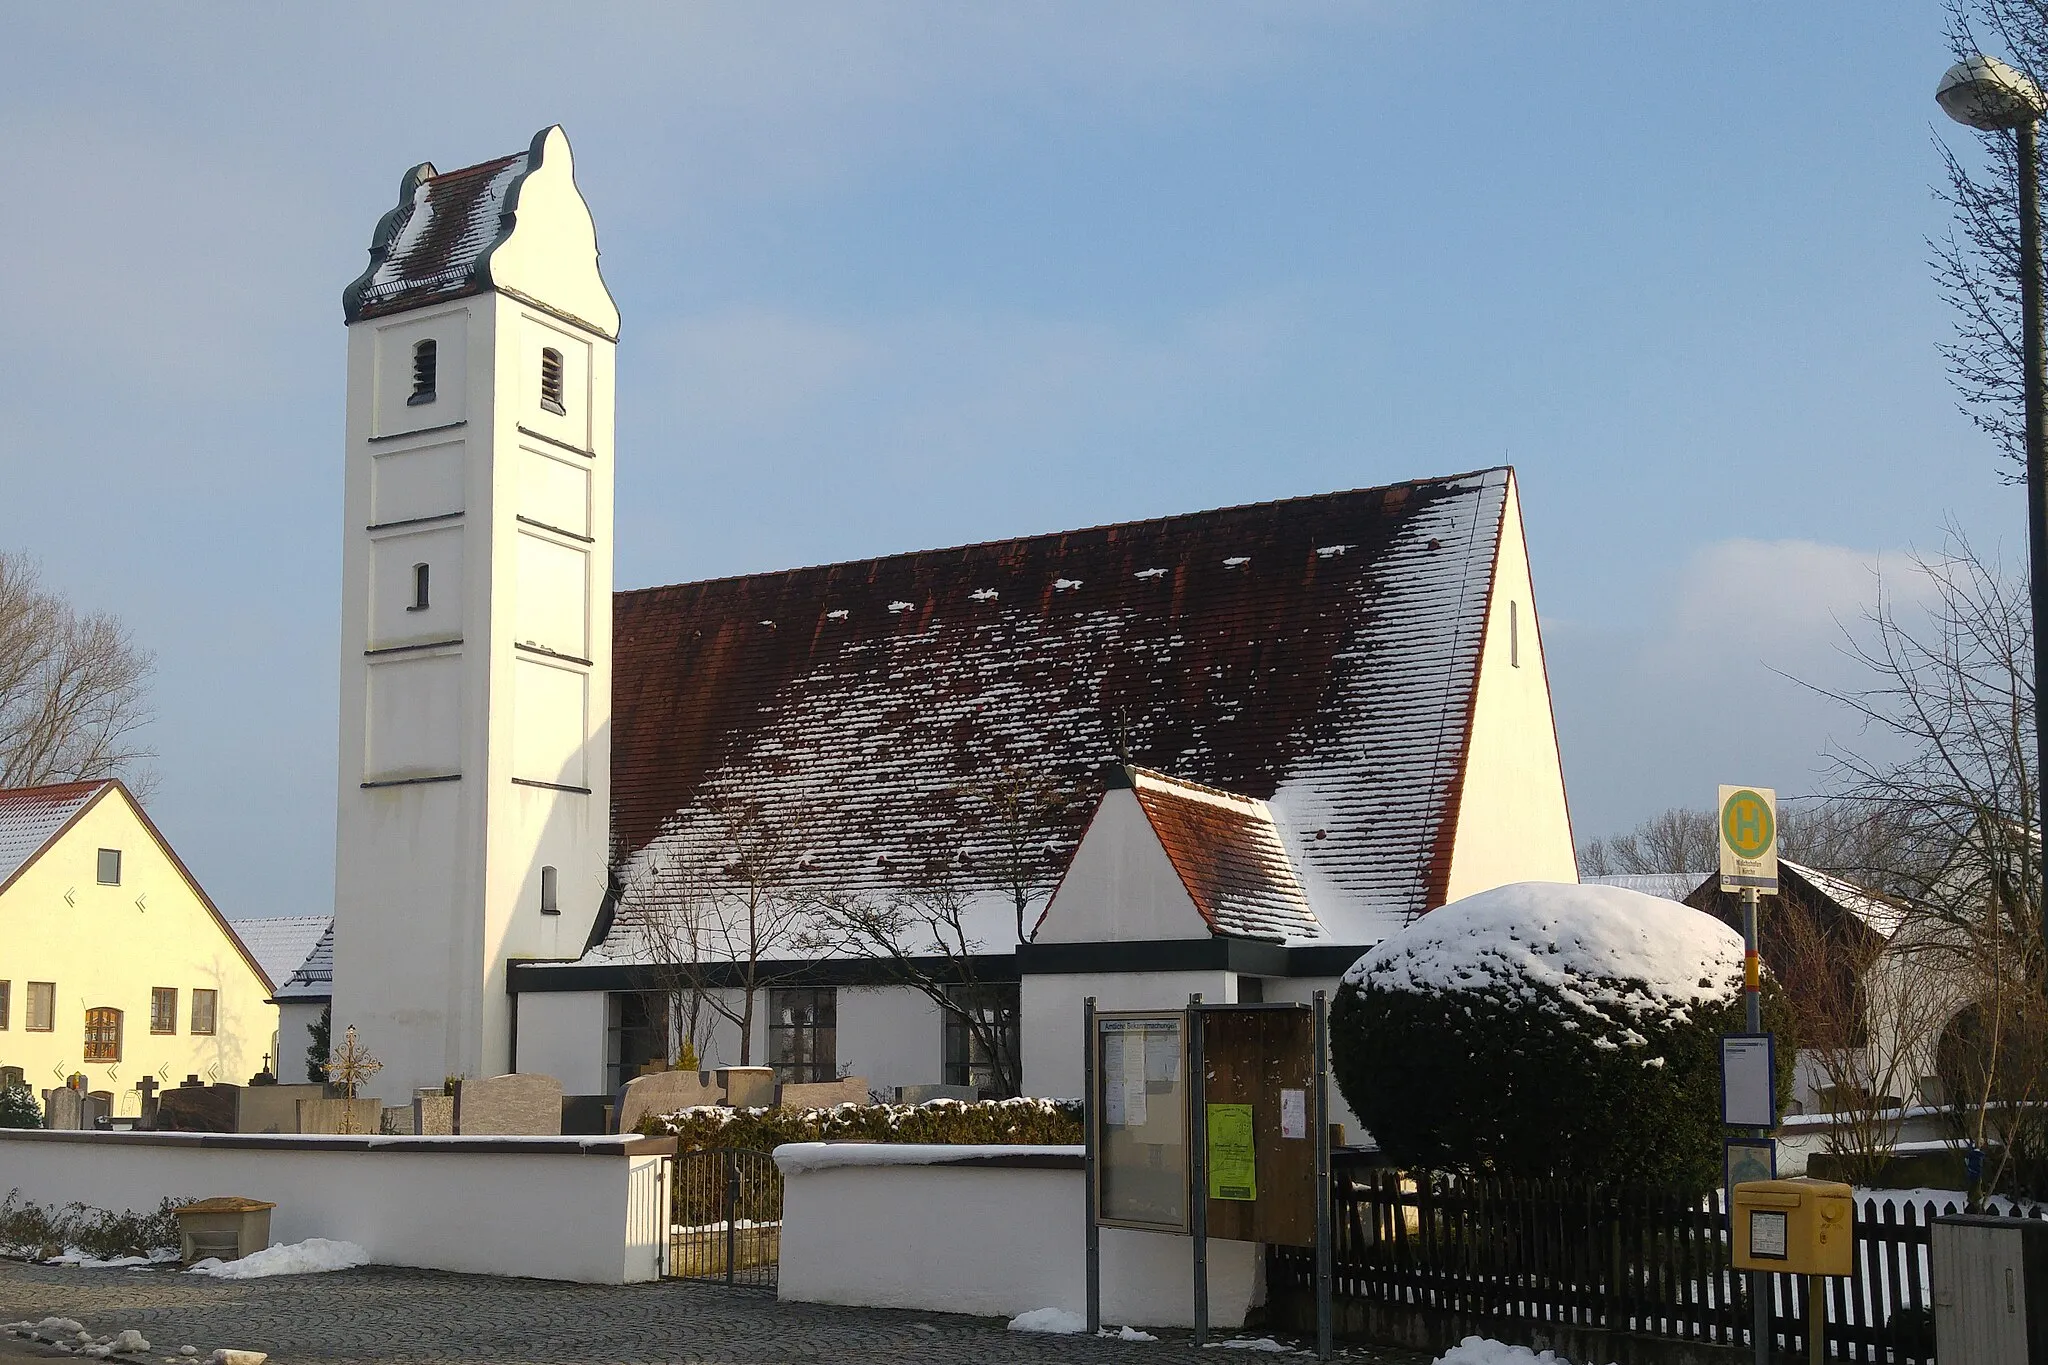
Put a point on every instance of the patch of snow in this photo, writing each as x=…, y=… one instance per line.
x=79, y=1260
x=1330, y=551
x=837, y=614
x=1065, y=584
x=984, y=594
x=901, y=606
x=311, y=1256
x=1150, y=573
x=1057, y=1320
x=128, y=1339
x=1256, y=1344
x=1487, y=1351
x=1597, y=946
x=793, y=1158
x=1237, y=561
x=1128, y=1334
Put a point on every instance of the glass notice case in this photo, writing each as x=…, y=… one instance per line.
x=1141, y=1110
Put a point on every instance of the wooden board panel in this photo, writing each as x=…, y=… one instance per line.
x=1249, y=1056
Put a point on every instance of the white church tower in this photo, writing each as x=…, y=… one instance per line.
x=474, y=803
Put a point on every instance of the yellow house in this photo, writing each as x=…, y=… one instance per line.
x=113, y=962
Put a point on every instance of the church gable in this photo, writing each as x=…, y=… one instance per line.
x=1317, y=654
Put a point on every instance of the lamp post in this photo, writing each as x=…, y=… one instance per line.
x=1984, y=93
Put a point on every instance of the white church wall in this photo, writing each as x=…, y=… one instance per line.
x=1512, y=821
x=1120, y=886
x=891, y=1036
x=1051, y=1016
x=583, y=1209
x=295, y=1020
x=562, y=1034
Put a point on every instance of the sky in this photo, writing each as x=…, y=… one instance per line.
x=899, y=276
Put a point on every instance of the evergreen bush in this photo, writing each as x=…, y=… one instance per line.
x=1549, y=1031
x=18, y=1107
x=1033, y=1122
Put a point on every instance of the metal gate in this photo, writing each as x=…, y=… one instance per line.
x=725, y=1217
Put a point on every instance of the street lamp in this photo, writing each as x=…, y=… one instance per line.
x=1984, y=93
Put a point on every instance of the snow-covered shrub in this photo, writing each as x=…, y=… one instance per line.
x=1026, y=1120
x=1548, y=1030
x=18, y=1107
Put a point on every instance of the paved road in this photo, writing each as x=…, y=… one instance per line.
x=380, y=1316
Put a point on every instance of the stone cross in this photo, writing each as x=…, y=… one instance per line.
x=147, y=1085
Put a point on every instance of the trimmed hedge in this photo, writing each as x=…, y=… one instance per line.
x=1033, y=1122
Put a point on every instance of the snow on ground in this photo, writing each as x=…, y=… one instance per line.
x=298, y=1258
x=1254, y=1344
x=1486, y=1351
x=1598, y=946
x=1057, y=1320
x=1129, y=1334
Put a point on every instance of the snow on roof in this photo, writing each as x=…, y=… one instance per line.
x=1334, y=687
x=1229, y=856
x=31, y=816
x=434, y=244
x=1672, y=886
x=281, y=942
x=1882, y=915
x=314, y=978
x=1598, y=946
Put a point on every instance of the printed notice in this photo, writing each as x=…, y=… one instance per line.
x=1233, y=1168
x=1113, y=1102
x=1294, y=1113
x=1766, y=1235
x=1136, y=1110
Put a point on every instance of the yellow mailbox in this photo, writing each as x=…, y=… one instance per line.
x=1798, y=1227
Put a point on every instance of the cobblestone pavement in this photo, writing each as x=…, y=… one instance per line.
x=386, y=1316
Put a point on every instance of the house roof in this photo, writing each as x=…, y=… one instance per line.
x=1880, y=914
x=313, y=978
x=1230, y=857
x=1672, y=886
x=436, y=243
x=1317, y=654
x=31, y=817
x=281, y=942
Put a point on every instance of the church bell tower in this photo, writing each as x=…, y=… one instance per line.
x=473, y=810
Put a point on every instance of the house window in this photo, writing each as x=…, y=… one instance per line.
x=103, y=1035
x=419, y=588
x=636, y=1035
x=425, y=358
x=42, y=1006
x=110, y=867
x=968, y=1057
x=803, y=1034
x=205, y=1005
x=548, y=905
x=6, y=1003
x=163, y=1009
x=551, y=381
x=1514, y=635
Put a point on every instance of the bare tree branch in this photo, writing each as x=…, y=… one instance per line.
x=72, y=688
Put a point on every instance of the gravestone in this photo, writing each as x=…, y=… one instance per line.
x=747, y=1087
x=11, y=1076
x=517, y=1105
x=63, y=1108
x=98, y=1109
x=397, y=1120
x=584, y=1115
x=664, y=1092
x=363, y=1118
x=273, y=1108
x=925, y=1094
x=824, y=1094
x=192, y=1108
x=146, y=1087
x=433, y=1113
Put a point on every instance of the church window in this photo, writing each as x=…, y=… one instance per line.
x=103, y=1035
x=110, y=867
x=163, y=1009
x=968, y=1056
x=419, y=588
x=205, y=1005
x=548, y=904
x=426, y=358
x=803, y=1034
x=551, y=380
x=6, y=1003
x=42, y=1006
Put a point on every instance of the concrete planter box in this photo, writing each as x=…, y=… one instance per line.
x=227, y=1228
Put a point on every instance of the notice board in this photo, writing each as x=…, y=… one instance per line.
x=1259, y=1089
x=1141, y=1108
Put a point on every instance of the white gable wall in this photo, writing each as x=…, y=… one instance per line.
x=1512, y=822
x=1120, y=886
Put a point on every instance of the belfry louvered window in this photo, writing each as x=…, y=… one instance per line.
x=551, y=380
x=426, y=357
x=420, y=588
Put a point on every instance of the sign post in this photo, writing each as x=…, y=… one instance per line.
x=1088, y=1159
x=1748, y=821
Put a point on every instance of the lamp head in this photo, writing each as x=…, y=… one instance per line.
x=1984, y=93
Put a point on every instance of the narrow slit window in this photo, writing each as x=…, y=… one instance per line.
x=419, y=588
x=548, y=904
x=1514, y=635
x=551, y=380
x=426, y=356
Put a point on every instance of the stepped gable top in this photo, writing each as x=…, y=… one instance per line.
x=1229, y=856
x=31, y=817
x=1318, y=654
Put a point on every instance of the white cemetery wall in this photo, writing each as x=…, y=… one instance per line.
x=585, y=1209
x=917, y=1236
x=294, y=1019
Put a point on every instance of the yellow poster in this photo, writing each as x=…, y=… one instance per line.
x=1233, y=1170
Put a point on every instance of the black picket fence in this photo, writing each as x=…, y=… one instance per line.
x=1558, y=1261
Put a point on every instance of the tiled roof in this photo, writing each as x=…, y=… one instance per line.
x=1229, y=857
x=1672, y=886
x=314, y=977
x=436, y=243
x=1317, y=654
x=1881, y=915
x=29, y=816
x=281, y=942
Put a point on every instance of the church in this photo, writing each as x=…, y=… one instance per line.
x=892, y=818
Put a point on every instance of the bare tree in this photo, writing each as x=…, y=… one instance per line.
x=1859, y=841
x=1675, y=840
x=72, y=691
x=1019, y=808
